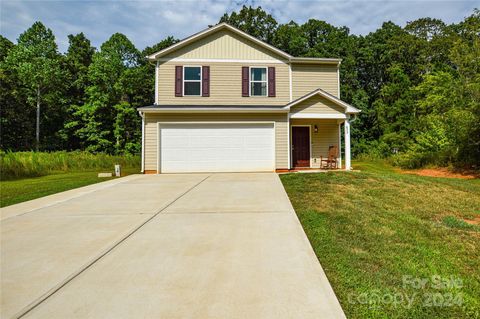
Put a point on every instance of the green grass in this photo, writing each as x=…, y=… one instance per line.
x=14, y=165
x=20, y=190
x=375, y=228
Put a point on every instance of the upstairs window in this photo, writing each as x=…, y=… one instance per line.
x=192, y=81
x=258, y=81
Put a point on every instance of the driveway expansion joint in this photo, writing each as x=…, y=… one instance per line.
x=82, y=269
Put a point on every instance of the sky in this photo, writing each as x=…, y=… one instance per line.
x=148, y=22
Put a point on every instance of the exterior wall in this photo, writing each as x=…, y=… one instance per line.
x=317, y=104
x=225, y=85
x=223, y=45
x=309, y=77
x=328, y=134
x=151, y=132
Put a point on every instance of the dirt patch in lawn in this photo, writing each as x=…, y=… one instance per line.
x=442, y=172
x=474, y=221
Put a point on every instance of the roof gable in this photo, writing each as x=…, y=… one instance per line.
x=319, y=92
x=224, y=44
x=266, y=48
x=211, y=31
x=317, y=104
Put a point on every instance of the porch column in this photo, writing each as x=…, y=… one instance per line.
x=346, y=126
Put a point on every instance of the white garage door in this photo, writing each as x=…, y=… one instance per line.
x=216, y=148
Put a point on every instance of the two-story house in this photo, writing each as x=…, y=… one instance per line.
x=228, y=102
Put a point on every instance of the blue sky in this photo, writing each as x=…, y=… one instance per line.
x=147, y=22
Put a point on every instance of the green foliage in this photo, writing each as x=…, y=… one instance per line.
x=418, y=86
x=29, y=164
x=126, y=133
x=254, y=21
x=373, y=226
x=35, y=63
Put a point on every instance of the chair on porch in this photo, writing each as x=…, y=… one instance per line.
x=331, y=160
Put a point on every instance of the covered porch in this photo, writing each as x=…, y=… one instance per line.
x=313, y=140
x=319, y=132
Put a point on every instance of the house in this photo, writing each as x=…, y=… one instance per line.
x=228, y=102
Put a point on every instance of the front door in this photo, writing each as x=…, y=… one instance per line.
x=301, y=146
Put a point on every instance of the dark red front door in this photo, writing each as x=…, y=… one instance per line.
x=301, y=146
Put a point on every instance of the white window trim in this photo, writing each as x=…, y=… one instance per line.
x=183, y=80
x=250, y=81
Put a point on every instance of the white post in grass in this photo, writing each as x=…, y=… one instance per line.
x=348, y=164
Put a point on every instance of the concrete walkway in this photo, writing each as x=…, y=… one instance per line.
x=162, y=246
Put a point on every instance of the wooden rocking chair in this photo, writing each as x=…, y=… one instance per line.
x=331, y=160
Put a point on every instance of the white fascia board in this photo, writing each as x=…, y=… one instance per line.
x=317, y=116
x=191, y=60
x=213, y=110
x=315, y=60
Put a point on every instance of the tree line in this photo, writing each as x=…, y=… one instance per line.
x=418, y=86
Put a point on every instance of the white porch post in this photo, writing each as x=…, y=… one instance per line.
x=339, y=145
x=346, y=126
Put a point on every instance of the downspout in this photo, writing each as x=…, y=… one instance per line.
x=142, y=115
x=156, y=84
x=288, y=117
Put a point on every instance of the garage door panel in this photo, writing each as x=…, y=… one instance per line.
x=216, y=147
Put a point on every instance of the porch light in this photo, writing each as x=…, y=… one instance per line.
x=315, y=128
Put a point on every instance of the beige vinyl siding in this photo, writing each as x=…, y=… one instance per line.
x=309, y=77
x=224, y=45
x=317, y=104
x=328, y=134
x=151, y=132
x=225, y=85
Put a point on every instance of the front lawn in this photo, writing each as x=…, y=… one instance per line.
x=394, y=245
x=20, y=190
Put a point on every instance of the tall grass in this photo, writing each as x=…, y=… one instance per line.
x=30, y=164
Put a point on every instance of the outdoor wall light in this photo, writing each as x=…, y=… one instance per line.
x=315, y=129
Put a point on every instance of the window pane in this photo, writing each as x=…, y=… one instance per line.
x=192, y=73
x=259, y=89
x=192, y=88
x=259, y=74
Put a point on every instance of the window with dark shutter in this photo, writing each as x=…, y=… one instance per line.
x=258, y=81
x=205, y=81
x=245, y=81
x=178, y=80
x=271, y=81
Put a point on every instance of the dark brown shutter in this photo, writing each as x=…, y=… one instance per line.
x=205, y=81
x=271, y=81
x=178, y=80
x=245, y=80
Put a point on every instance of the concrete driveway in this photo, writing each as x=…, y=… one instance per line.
x=162, y=246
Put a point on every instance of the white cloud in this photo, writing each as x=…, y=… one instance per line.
x=147, y=22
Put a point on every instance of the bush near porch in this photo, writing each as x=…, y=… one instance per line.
x=376, y=230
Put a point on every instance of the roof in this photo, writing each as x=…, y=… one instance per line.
x=212, y=108
x=349, y=109
x=226, y=26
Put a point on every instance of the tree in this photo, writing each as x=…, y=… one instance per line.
x=254, y=21
x=35, y=60
x=290, y=38
x=165, y=43
x=77, y=60
x=111, y=75
x=16, y=131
